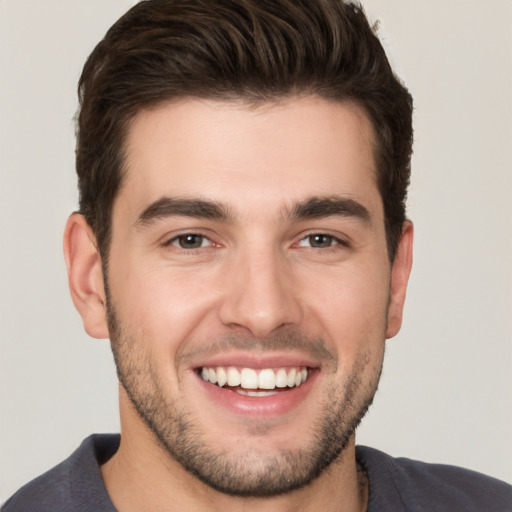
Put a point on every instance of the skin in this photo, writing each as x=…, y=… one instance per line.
x=257, y=278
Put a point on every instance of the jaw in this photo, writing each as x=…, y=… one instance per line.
x=266, y=452
x=235, y=443
x=140, y=472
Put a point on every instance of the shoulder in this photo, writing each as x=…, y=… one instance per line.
x=73, y=485
x=405, y=484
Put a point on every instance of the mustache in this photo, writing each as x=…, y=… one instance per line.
x=295, y=340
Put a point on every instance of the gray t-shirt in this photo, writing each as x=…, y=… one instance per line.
x=396, y=485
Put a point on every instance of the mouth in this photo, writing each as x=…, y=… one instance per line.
x=255, y=382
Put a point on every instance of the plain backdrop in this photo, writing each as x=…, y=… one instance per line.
x=446, y=391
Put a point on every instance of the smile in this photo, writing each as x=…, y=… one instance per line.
x=255, y=383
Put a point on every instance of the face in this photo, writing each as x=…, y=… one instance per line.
x=250, y=288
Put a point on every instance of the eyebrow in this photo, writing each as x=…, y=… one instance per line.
x=321, y=207
x=312, y=208
x=175, y=206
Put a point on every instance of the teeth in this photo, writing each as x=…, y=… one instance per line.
x=255, y=393
x=233, y=377
x=212, y=376
x=267, y=379
x=222, y=377
x=248, y=378
x=291, y=378
x=282, y=378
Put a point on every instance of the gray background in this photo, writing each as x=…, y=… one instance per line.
x=446, y=390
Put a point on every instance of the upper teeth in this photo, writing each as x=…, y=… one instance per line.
x=249, y=378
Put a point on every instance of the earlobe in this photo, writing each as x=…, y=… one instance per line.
x=85, y=276
x=400, y=272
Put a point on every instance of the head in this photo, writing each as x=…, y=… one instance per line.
x=243, y=168
x=252, y=50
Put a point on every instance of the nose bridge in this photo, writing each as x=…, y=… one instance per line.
x=261, y=296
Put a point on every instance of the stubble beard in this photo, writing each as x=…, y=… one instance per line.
x=251, y=474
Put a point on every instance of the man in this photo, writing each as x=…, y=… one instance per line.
x=242, y=240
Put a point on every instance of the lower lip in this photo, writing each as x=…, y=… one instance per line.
x=281, y=403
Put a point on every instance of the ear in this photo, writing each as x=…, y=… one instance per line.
x=85, y=276
x=400, y=272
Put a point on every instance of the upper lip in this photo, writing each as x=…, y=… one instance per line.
x=257, y=361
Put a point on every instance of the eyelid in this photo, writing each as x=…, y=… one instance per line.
x=169, y=240
x=340, y=240
x=176, y=241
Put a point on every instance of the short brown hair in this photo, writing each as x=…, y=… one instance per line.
x=256, y=50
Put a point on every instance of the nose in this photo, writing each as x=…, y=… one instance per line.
x=261, y=294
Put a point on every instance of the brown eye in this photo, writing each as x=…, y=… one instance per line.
x=321, y=241
x=190, y=241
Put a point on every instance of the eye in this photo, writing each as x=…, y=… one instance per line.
x=190, y=241
x=319, y=241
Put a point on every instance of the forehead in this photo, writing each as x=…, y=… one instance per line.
x=279, y=152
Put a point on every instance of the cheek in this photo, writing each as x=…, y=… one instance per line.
x=351, y=305
x=163, y=304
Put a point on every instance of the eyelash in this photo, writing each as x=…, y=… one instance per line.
x=333, y=241
x=175, y=241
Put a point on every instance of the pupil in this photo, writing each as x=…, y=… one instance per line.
x=190, y=241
